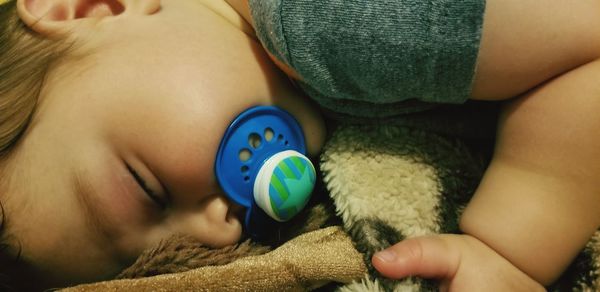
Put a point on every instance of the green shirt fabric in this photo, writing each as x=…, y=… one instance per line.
x=375, y=58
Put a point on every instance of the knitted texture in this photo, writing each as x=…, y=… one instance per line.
x=375, y=58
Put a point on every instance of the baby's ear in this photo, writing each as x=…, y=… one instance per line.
x=56, y=17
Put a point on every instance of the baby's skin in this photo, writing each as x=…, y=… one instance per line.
x=460, y=262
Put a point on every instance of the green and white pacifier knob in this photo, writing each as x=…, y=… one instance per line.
x=284, y=184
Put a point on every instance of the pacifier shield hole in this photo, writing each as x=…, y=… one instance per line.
x=245, y=169
x=279, y=138
x=245, y=155
x=254, y=140
x=269, y=134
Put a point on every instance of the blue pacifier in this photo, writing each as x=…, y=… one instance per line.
x=261, y=165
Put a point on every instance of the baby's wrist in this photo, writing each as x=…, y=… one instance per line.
x=474, y=240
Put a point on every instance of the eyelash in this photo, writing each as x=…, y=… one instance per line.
x=156, y=198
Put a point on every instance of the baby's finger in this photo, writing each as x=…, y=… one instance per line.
x=427, y=257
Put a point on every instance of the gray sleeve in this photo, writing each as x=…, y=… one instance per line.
x=376, y=51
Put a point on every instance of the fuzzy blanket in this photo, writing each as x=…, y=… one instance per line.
x=382, y=183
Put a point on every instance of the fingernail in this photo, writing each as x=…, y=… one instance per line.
x=386, y=255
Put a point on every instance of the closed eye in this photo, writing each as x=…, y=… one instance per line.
x=158, y=200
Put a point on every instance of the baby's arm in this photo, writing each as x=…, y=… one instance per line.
x=539, y=201
x=537, y=205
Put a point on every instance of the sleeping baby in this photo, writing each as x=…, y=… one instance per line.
x=113, y=112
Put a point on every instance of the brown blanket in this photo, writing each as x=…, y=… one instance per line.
x=304, y=263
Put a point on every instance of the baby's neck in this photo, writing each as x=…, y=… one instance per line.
x=236, y=12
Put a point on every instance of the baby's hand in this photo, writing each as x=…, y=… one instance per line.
x=460, y=262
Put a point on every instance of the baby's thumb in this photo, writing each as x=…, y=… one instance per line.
x=427, y=257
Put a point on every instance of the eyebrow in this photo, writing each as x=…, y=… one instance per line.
x=87, y=197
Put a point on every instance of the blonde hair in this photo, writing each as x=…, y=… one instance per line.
x=25, y=60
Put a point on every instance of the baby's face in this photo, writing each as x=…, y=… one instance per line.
x=121, y=150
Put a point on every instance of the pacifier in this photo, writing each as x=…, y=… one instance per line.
x=261, y=165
